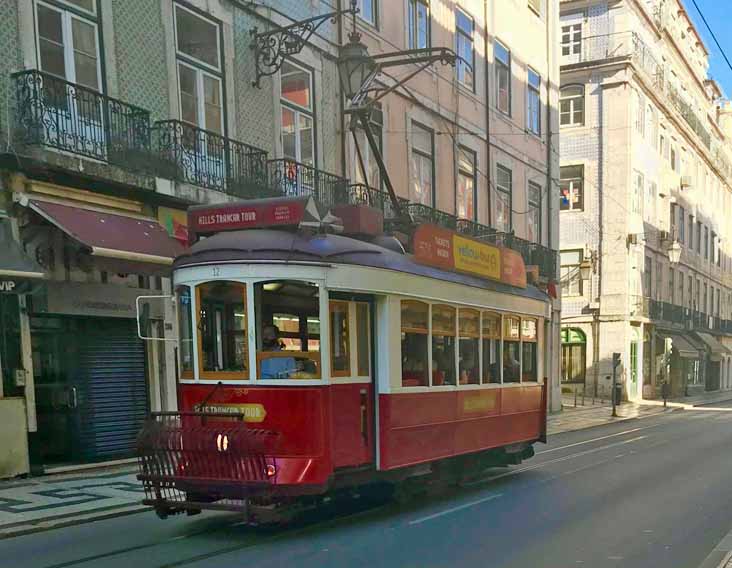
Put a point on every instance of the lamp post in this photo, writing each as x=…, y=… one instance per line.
x=674, y=253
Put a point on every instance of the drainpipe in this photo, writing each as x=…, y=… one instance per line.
x=339, y=6
x=487, y=112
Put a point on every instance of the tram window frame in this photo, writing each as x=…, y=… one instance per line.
x=264, y=312
x=466, y=337
x=343, y=307
x=203, y=373
x=511, y=337
x=187, y=372
x=362, y=341
x=531, y=342
x=450, y=351
x=418, y=331
x=494, y=335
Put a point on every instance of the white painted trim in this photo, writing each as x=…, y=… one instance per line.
x=133, y=256
x=350, y=380
x=21, y=274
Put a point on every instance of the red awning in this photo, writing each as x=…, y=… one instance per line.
x=112, y=236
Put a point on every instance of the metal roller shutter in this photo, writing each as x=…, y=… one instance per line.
x=112, y=390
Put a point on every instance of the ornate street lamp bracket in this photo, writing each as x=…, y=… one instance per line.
x=271, y=47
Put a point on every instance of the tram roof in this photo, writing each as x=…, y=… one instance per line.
x=282, y=246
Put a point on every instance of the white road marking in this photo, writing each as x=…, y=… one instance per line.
x=595, y=439
x=455, y=509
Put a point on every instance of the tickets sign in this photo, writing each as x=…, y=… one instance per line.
x=448, y=250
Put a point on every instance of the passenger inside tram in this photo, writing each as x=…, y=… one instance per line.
x=288, y=319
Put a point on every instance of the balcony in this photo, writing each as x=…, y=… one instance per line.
x=293, y=179
x=200, y=157
x=55, y=113
x=362, y=194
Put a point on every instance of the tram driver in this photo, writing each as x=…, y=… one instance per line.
x=275, y=367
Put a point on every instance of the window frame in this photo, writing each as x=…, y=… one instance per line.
x=571, y=100
x=374, y=10
x=505, y=191
x=470, y=38
x=505, y=67
x=572, y=182
x=535, y=206
x=421, y=153
x=413, y=24
x=343, y=307
x=534, y=91
x=580, y=285
x=465, y=174
x=298, y=110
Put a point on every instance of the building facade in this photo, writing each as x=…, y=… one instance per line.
x=646, y=176
x=122, y=113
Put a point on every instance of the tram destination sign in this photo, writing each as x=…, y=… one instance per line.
x=449, y=250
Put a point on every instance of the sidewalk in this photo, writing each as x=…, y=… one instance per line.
x=41, y=503
x=589, y=415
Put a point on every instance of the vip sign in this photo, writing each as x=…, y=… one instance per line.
x=7, y=285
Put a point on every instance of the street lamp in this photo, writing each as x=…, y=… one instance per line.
x=674, y=253
x=585, y=269
x=356, y=67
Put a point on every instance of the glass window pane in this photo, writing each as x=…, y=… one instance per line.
x=49, y=24
x=339, y=340
x=295, y=85
x=185, y=328
x=188, y=94
x=415, y=328
x=529, y=371
x=289, y=139
x=423, y=26
x=212, y=103
x=307, y=154
x=421, y=138
x=51, y=41
x=197, y=38
x=501, y=53
x=534, y=79
x=88, y=5
x=52, y=58
x=469, y=347
x=511, y=362
x=491, y=361
x=367, y=10
x=363, y=335
x=223, y=328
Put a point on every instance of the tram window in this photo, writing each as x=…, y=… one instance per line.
x=443, y=345
x=469, y=346
x=185, y=330
x=288, y=330
x=491, y=348
x=339, y=339
x=223, y=329
x=528, y=362
x=363, y=335
x=529, y=350
x=511, y=349
x=415, y=333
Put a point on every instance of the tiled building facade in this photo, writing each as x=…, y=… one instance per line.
x=132, y=110
x=645, y=158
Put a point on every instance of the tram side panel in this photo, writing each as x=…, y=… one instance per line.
x=352, y=424
x=421, y=427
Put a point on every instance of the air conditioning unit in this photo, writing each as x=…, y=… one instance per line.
x=685, y=182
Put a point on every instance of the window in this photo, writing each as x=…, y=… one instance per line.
x=222, y=325
x=659, y=280
x=571, y=188
x=529, y=370
x=673, y=221
x=570, y=279
x=690, y=288
x=504, y=221
x=465, y=65
x=651, y=125
x=422, y=165
x=367, y=11
x=649, y=203
x=706, y=243
x=502, y=58
x=704, y=305
x=419, y=24
x=636, y=205
x=469, y=347
x=443, y=345
x=691, y=232
x=340, y=360
x=363, y=340
x=296, y=107
x=640, y=114
x=68, y=45
x=671, y=288
x=185, y=330
x=533, y=216
x=681, y=289
x=511, y=349
x=663, y=147
x=572, y=40
x=672, y=158
x=415, y=334
x=466, y=189
x=199, y=70
x=698, y=237
x=572, y=106
x=533, y=111
x=574, y=345
x=491, y=348
x=648, y=278
x=288, y=330
x=373, y=175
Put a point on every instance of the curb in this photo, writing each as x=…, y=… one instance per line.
x=47, y=524
x=619, y=419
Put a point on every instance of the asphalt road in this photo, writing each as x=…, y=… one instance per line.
x=640, y=493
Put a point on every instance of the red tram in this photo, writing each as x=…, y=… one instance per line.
x=311, y=363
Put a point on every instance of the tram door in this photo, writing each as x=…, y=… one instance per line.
x=352, y=384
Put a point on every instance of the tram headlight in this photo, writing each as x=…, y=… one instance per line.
x=222, y=442
x=270, y=470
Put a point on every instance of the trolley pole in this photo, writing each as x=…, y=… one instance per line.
x=616, y=364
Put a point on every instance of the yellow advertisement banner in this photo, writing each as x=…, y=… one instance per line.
x=477, y=258
x=251, y=412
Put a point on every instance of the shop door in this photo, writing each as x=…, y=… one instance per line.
x=713, y=382
x=91, y=388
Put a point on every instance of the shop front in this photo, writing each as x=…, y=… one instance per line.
x=716, y=355
x=679, y=360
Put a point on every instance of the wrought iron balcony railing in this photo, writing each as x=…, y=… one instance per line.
x=56, y=113
x=190, y=154
x=362, y=194
x=290, y=178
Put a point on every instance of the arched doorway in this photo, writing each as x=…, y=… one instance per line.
x=574, y=356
